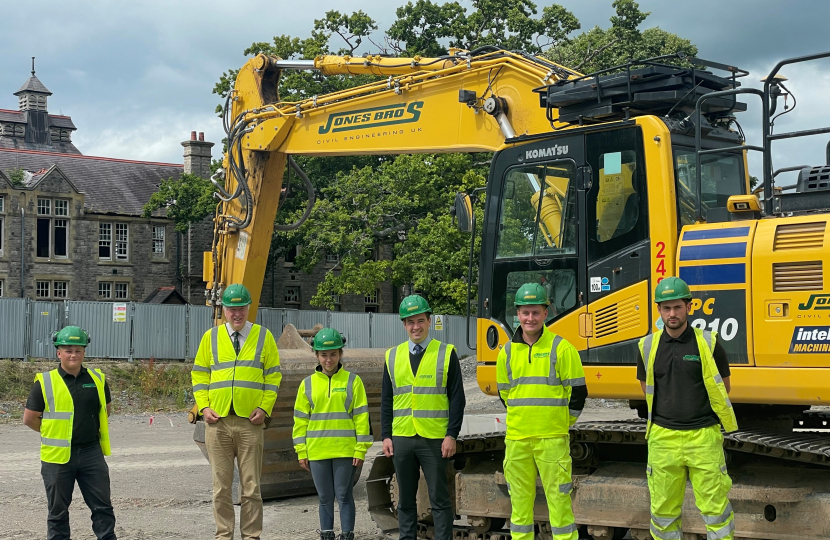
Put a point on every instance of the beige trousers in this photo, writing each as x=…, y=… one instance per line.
x=237, y=437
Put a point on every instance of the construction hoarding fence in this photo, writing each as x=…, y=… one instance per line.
x=130, y=330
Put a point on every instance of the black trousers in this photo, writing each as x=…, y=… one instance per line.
x=86, y=466
x=410, y=455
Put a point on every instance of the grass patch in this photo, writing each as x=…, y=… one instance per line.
x=135, y=387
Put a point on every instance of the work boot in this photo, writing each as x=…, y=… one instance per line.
x=326, y=535
x=346, y=536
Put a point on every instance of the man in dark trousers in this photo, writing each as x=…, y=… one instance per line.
x=684, y=374
x=422, y=407
x=69, y=406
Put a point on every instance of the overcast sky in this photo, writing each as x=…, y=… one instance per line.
x=136, y=77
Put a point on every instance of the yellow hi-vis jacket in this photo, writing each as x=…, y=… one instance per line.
x=535, y=382
x=419, y=401
x=250, y=380
x=56, y=427
x=331, y=417
x=712, y=380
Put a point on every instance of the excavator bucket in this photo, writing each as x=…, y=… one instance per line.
x=282, y=476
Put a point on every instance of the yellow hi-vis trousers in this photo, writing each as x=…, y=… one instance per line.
x=552, y=458
x=697, y=453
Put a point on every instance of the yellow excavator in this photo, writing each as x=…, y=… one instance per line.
x=601, y=185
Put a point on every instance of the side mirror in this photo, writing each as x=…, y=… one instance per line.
x=509, y=189
x=462, y=210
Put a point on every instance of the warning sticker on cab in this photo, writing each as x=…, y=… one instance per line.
x=810, y=339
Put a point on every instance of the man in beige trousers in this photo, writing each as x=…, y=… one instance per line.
x=236, y=378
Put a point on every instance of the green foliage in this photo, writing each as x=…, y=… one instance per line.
x=16, y=176
x=600, y=48
x=188, y=199
x=398, y=206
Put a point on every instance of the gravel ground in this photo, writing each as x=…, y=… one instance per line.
x=161, y=484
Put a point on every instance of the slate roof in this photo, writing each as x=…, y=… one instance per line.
x=33, y=85
x=19, y=143
x=110, y=186
x=165, y=295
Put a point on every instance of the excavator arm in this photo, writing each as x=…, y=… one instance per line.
x=461, y=102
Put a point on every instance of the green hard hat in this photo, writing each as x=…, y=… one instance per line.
x=671, y=288
x=531, y=294
x=414, y=305
x=328, y=339
x=71, y=335
x=236, y=295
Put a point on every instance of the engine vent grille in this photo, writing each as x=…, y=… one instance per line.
x=617, y=317
x=797, y=276
x=799, y=236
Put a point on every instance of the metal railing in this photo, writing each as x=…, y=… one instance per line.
x=130, y=331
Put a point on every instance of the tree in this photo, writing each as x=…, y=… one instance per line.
x=188, y=199
x=399, y=205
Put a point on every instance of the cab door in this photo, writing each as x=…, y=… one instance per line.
x=616, y=210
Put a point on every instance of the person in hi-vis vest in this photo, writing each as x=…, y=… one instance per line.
x=541, y=382
x=422, y=407
x=236, y=377
x=331, y=431
x=69, y=406
x=684, y=374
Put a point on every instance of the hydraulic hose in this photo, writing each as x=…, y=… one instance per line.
x=311, y=198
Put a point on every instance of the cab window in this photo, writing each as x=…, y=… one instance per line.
x=559, y=284
x=617, y=210
x=537, y=215
x=721, y=177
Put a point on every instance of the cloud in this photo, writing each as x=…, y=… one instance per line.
x=137, y=77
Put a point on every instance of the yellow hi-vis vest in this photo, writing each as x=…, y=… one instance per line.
x=419, y=401
x=712, y=380
x=56, y=427
x=536, y=381
x=331, y=417
x=250, y=380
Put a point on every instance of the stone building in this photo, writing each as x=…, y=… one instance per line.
x=71, y=225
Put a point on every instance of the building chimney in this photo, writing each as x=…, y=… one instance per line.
x=197, y=155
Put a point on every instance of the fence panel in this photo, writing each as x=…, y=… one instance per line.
x=46, y=318
x=13, y=321
x=159, y=331
x=455, y=332
x=272, y=319
x=306, y=319
x=387, y=330
x=354, y=326
x=200, y=320
x=108, y=339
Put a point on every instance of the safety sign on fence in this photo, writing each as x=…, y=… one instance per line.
x=119, y=312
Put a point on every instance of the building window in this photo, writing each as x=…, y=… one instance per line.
x=44, y=207
x=335, y=299
x=104, y=290
x=122, y=238
x=61, y=208
x=61, y=289
x=52, y=234
x=42, y=289
x=2, y=204
x=1, y=287
x=2, y=234
x=291, y=256
x=371, y=301
x=332, y=258
x=121, y=291
x=292, y=294
x=158, y=240
x=105, y=241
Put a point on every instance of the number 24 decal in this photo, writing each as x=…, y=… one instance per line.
x=661, y=261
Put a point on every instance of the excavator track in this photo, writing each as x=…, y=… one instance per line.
x=781, y=486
